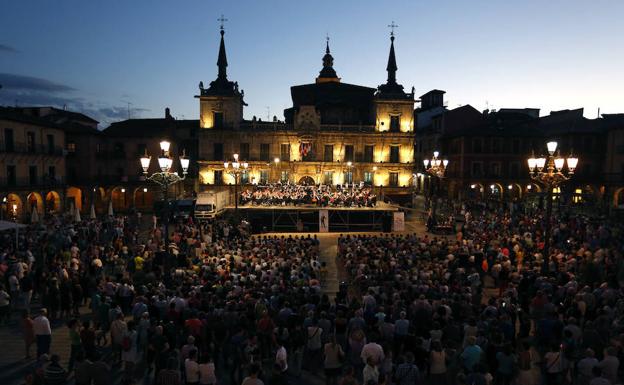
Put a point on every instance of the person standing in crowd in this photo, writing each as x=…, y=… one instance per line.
x=43, y=332
x=207, y=374
x=334, y=358
x=28, y=332
x=76, y=344
x=5, y=305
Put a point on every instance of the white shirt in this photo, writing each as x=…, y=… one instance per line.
x=207, y=373
x=41, y=326
x=192, y=370
x=281, y=357
x=373, y=350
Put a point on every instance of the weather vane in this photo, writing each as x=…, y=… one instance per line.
x=392, y=26
x=222, y=19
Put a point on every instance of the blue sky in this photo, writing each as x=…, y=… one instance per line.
x=98, y=56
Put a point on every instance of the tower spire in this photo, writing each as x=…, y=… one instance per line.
x=392, y=66
x=327, y=74
x=222, y=60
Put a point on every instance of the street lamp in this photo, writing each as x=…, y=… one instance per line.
x=236, y=169
x=549, y=171
x=165, y=177
x=435, y=167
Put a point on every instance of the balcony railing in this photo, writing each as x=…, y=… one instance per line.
x=41, y=181
x=24, y=148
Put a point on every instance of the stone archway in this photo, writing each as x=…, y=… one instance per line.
x=618, y=198
x=14, y=206
x=307, y=181
x=35, y=200
x=143, y=198
x=74, y=194
x=53, y=202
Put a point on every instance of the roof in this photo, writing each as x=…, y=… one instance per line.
x=433, y=92
x=15, y=115
x=330, y=93
x=132, y=128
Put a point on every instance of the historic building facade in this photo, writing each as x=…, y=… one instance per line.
x=335, y=133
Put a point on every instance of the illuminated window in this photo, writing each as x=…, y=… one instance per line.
x=394, y=123
x=348, y=177
x=368, y=178
x=244, y=177
x=284, y=176
x=71, y=147
x=394, y=179
x=264, y=176
x=556, y=191
x=328, y=177
x=578, y=196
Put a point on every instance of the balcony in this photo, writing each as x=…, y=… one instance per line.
x=39, y=182
x=37, y=149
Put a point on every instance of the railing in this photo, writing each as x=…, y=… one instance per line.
x=42, y=181
x=37, y=149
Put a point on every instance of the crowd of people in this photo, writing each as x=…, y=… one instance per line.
x=486, y=307
x=212, y=303
x=297, y=195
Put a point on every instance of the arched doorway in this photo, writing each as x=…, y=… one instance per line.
x=495, y=190
x=514, y=191
x=306, y=181
x=143, y=198
x=53, y=202
x=618, y=198
x=35, y=200
x=476, y=191
x=74, y=195
x=119, y=198
x=14, y=206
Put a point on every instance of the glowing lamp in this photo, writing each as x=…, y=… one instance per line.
x=165, y=145
x=552, y=147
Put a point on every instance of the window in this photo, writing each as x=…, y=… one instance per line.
x=9, y=145
x=477, y=145
x=264, y=151
x=368, y=178
x=32, y=174
x=477, y=169
x=52, y=173
x=495, y=168
x=496, y=145
x=328, y=155
x=514, y=170
x=218, y=177
x=118, y=149
x=348, y=177
x=394, y=179
x=328, y=177
x=71, y=147
x=30, y=142
x=284, y=177
x=368, y=153
x=394, y=154
x=264, y=176
x=11, y=176
x=244, y=151
x=244, y=177
x=217, y=151
x=217, y=119
x=394, y=123
x=50, y=144
x=285, y=152
x=348, y=153
x=141, y=148
x=99, y=148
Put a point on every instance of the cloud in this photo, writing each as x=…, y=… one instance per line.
x=7, y=48
x=20, y=82
x=32, y=91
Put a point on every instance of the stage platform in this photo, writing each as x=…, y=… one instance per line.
x=309, y=218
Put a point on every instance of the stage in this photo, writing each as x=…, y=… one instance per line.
x=313, y=218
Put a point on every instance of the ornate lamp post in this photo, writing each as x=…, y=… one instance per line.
x=549, y=171
x=435, y=167
x=165, y=178
x=236, y=169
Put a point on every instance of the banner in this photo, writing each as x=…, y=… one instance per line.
x=398, y=221
x=323, y=221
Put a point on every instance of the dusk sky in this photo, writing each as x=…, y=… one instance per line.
x=98, y=56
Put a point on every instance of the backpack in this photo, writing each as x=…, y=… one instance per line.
x=126, y=343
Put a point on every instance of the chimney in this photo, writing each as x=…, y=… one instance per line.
x=167, y=113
